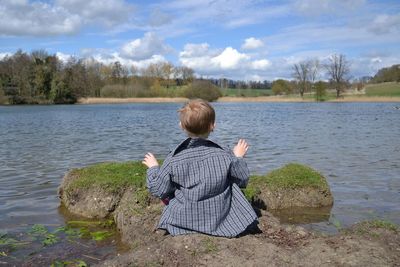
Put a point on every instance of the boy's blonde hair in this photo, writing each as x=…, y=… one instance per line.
x=197, y=116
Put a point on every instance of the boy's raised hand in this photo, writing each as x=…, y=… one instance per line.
x=149, y=160
x=241, y=148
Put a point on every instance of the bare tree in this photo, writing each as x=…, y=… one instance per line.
x=301, y=74
x=338, y=70
x=306, y=72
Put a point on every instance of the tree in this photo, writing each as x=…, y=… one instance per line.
x=320, y=90
x=391, y=74
x=305, y=73
x=3, y=98
x=203, y=89
x=280, y=86
x=338, y=69
x=167, y=70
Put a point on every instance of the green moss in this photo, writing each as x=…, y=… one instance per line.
x=111, y=176
x=290, y=176
x=251, y=191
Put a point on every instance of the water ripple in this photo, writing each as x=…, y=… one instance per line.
x=355, y=145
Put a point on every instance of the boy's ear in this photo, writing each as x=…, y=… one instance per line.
x=212, y=126
x=180, y=125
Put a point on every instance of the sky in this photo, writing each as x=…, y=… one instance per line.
x=235, y=39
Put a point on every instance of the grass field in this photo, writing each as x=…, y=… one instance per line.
x=246, y=92
x=383, y=89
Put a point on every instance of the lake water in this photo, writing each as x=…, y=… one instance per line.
x=355, y=145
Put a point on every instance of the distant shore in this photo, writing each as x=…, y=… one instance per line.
x=283, y=99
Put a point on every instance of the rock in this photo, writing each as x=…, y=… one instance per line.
x=293, y=185
x=136, y=216
x=93, y=202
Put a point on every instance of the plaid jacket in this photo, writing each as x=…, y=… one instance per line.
x=204, y=181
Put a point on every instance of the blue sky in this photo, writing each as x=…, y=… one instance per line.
x=237, y=39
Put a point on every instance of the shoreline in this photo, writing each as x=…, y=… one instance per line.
x=225, y=99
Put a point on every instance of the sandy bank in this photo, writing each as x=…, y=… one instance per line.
x=265, y=99
x=109, y=100
x=366, y=99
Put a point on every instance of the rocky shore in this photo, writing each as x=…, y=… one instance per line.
x=117, y=191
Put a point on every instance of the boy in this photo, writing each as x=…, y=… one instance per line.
x=203, y=178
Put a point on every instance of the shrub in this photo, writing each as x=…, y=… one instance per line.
x=3, y=98
x=281, y=87
x=320, y=91
x=202, y=89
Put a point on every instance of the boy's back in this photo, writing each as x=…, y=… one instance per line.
x=205, y=180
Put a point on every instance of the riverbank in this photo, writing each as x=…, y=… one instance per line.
x=96, y=192
x=266, y=99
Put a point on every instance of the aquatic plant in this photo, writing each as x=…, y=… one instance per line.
x=41, y=232
x=100, y=235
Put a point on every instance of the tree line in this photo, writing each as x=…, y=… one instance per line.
x=39, y=77
x=42, y=78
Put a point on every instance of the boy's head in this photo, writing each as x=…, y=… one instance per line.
x=197, y=117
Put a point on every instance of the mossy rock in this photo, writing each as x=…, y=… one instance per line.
x=95, y=191
x=113, y=190
x=293, y=185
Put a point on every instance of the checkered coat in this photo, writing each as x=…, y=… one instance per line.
x=203, y=180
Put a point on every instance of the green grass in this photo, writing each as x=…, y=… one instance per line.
x=294, y=175
x=290, y=176
x=368, y=227
x=246, y=92
x=111, y=176
x=381, y=224
x=383, y=89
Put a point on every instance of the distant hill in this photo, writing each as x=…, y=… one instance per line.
x=391, y=74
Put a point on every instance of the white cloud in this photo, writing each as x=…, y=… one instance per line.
x=3, y=55
x=228, y=62
x=320, y=7
x=43, y=18
x=144, y=48
x=226, y=13
x=63, y=57
x=195, y=50
x=36, y=18
x=229, y=59
x=261, y=64
x=159, y=18
x=385, y=24
x=113, y=57
x=107, y=12
x=252, y=43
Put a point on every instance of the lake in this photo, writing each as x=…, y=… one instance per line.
x=355, y=145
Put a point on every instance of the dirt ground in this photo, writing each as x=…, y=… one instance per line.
x=274, y=244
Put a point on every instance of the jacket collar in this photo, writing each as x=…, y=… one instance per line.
x=194, y=142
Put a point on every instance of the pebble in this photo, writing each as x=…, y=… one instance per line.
x=302, y=233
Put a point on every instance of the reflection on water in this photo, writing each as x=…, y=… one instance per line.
x=303, y=215
x=355, y=145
